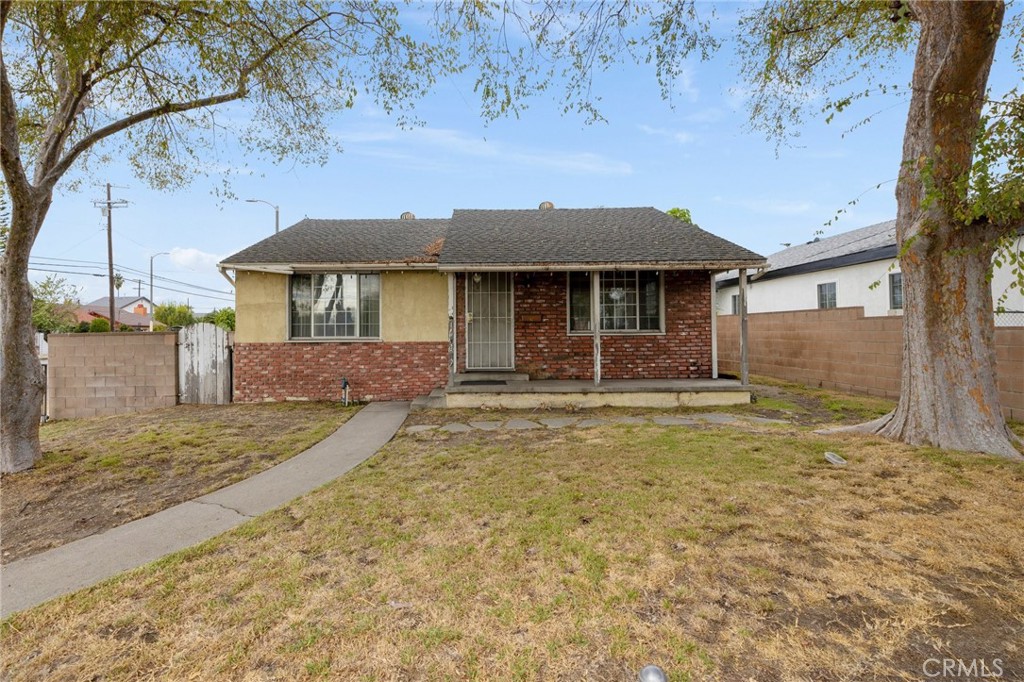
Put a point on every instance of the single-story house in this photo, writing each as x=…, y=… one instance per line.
x=139, y=305
x=859, y=268
x=397, y=308
x=91, y=311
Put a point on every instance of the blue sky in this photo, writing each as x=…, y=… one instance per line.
x=696, y=153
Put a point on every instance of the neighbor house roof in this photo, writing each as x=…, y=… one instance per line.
x=489, y=239
x=865, y=245
x=316, y=241
x=583, y=236
x=119, y=301
x=88, y=312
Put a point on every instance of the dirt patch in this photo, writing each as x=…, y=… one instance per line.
x=100, y=473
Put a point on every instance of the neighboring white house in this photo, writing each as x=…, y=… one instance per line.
x=856, y=268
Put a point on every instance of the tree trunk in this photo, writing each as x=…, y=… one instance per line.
x=22, y=381
x=949, y=397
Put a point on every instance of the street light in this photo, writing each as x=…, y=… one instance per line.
x=152, y=305
x=277, y=212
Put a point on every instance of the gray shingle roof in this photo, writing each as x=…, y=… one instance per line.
x=600, y=236
x=864, y=245
x=119, y=301
x=349, y=241
x=854, y=241
x=582, y=236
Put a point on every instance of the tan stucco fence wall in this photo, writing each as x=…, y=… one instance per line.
x=413, y=307
x=90, y=375
x=841, y=349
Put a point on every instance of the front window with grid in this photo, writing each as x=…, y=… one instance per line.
x=896, y=291
x=335, y=306
x=630, y=301
x=827, y=295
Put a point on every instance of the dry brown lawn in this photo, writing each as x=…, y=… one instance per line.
x=101, y=472
x=579, y=554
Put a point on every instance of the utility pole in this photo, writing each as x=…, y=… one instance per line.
x=108, y=207
x=152, y=304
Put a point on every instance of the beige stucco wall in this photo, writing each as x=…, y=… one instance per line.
x=261, y=307
x=414, y=306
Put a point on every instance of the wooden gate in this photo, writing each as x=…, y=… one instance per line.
x=204, y=365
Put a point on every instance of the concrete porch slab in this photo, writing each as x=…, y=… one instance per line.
x=652, y=393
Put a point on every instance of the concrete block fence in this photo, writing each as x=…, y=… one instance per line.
x=90, y=375
x=841, y=349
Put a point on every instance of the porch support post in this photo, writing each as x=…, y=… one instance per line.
x=714, y=328
x=595, y=321
x=744, y=364
x=453, y=355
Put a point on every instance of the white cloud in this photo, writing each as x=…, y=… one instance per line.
x=682, y=137
x=193, y=259
x=686, y=85
x=736, y=96
x=434, y=148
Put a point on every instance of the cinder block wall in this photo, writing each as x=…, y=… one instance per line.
x=842, y=349
x=90, y=375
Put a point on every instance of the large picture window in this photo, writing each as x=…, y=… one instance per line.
x=335, y=306
x=630, y=301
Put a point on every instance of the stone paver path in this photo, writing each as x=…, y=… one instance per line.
x=694, y=419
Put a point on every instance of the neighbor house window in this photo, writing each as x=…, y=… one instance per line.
x=735, y=299
x=630, y=301
x=335, y=306
x=827, y=295
x=896, y=291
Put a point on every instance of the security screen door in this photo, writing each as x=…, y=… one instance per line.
x=489, y=337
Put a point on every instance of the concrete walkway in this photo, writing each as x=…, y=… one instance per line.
x=36, y=579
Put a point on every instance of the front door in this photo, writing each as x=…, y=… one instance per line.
x=489, y=336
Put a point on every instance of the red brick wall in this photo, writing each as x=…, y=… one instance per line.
x=842, y=349
x=545, y=350
x=375, y=371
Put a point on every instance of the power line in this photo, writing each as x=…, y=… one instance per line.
x=72, y=263
x=38, y=268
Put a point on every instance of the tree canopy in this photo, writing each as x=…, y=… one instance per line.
x=54, y=301
x=174, y=314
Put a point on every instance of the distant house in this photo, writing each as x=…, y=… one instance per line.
x=88, y=313
x=139, y=305
x=396, y=308
x=859, y=268
x=132, y=311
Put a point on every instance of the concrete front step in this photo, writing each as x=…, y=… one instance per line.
x=436, y=400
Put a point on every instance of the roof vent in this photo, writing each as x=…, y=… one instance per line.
x=545, y=205
x=408, y=215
